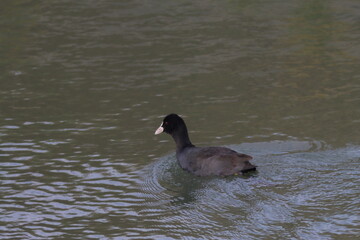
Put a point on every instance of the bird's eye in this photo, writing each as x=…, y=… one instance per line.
x=165, y=123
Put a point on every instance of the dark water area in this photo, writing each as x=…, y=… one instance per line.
x=84, y=85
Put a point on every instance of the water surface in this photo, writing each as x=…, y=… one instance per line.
x=84, y=85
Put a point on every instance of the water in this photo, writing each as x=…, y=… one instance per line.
x=84, y=85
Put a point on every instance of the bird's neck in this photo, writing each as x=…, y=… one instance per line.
x=182, y=140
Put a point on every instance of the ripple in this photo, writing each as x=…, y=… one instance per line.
x=10, y=127
x=115, y=193
x=17, y=149
x=17, y=144
x=10, y=164
x=41, y=122
x=53, y=142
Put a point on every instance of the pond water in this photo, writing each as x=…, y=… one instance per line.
x=84, y=85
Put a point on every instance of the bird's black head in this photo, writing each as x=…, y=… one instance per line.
x=170, y=124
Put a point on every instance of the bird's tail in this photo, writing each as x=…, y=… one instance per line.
x=248, y=167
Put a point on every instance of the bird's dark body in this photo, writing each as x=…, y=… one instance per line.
x=203, y=161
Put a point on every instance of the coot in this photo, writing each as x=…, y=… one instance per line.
x=203, y=161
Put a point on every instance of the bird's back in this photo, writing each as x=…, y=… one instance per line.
x=204, y=161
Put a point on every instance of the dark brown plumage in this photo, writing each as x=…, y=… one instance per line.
x=203, y=161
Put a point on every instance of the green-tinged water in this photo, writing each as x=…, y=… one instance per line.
x=84, y=85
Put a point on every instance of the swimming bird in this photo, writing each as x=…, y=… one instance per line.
x=203, y=161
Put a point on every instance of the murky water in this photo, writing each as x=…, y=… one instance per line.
x=84, y=84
